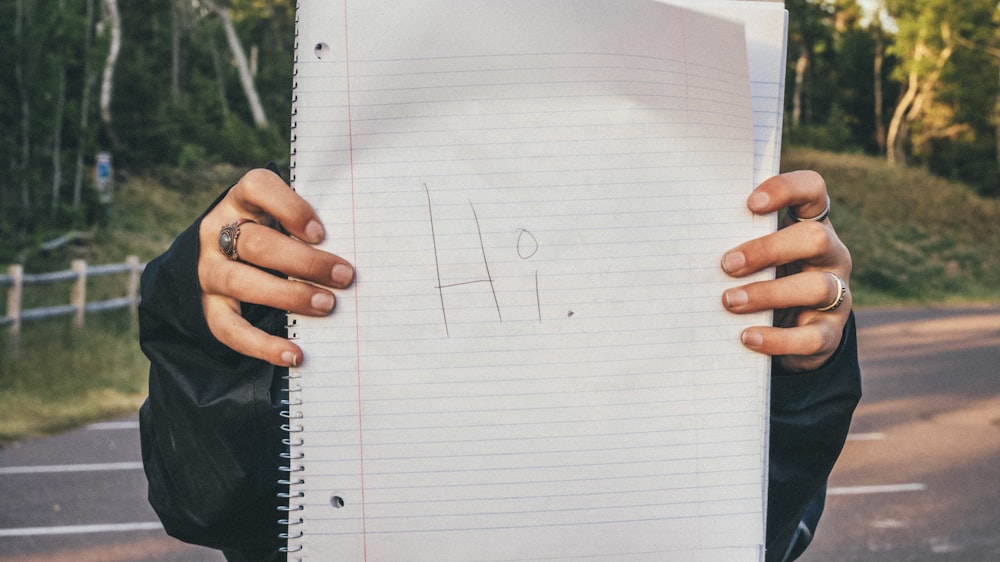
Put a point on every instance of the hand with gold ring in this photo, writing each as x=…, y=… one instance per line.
x=237, y=245
x=811, y=294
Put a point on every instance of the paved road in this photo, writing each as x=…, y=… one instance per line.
x=81, y=497
x=918, y=479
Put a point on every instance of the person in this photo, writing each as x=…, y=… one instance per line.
x=212, y=328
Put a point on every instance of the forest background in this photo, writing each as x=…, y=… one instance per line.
x=162, y=85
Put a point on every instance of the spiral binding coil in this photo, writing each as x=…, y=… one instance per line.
x=289, y=506
x=291, y=464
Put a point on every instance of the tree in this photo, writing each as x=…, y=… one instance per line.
x=923, y=66
x=945, y=116
x=983, y=44
x=242, y=64
x=929, y=33
x=809, y=27
x=828, y=89
x=150, y=79
x=878, y=76
x=857, y=77
x=20, y=66
x=89, y=77
x=114, y=22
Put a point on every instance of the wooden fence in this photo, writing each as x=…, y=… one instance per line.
x=16, y=280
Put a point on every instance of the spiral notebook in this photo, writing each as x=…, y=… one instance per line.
x=533, y=363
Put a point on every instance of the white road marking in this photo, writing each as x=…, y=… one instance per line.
x=879, y=489
x=102, y=426
x=80, y=529
x=53, y=468
x=865, y=436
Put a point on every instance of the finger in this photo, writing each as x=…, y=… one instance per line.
x=810, y=242
x=804, y=191
x=239, y=335
x=261, y=192
x=245, y=283
x=803, y=348
x=809, y=289
x=270, y=249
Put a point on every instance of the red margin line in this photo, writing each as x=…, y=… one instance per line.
x=357, y=318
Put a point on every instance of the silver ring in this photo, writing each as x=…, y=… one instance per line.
x=228, y=235
x=818, y=218
x=841, y=293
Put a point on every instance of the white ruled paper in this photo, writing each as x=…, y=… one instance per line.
x=533, y=363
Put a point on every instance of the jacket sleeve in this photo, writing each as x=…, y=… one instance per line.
x=210, y=428
x=810, y=417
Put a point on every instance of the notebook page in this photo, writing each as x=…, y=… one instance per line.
x=533, y=362
x=766, y=28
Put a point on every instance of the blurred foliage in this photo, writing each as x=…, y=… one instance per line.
x=176, y=102
x=914, y=237
x=64, y=377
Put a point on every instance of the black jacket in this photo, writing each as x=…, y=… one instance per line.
x=211, y=429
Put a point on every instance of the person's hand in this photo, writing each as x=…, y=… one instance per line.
x=805, y=253
x=264, y=198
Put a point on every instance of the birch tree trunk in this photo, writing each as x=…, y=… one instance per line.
x=917, y=91
x=893, y=148
x=877, y=77
x=242, y=65
x=107, y=80
x=801, y=66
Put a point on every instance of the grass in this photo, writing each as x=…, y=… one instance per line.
x=915, y=239
x=61, y=377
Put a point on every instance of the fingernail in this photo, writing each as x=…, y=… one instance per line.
x=758, y=201
x=342, y=274
x=736, y=298
x=751, y=338
x=315, y=232
x=322, y=301
x=733, y=262
x=289, y=359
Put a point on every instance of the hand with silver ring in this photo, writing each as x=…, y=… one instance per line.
x=250, y=253
x=810, y=295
